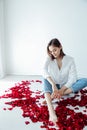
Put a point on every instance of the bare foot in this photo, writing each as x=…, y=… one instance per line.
x=54, y=119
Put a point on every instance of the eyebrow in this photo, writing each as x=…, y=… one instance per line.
x=52, y=50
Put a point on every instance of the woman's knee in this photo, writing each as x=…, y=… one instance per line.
x=83, y=81
x=47, y=87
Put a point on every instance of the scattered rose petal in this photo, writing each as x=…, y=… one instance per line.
x=22, y=96
x=27, y=122
x=4, y=108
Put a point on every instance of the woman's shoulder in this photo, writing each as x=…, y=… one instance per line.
x=47, y=58
x=69, y=58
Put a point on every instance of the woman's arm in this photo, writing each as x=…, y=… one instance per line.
x=55, y=93
x=72, y=77
x=45, y=68
x=50, y=80
x=47, y=76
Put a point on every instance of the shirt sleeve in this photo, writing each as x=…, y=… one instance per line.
x=72, y=77
x=45, y=68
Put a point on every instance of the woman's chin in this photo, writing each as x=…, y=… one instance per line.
x=55, y=57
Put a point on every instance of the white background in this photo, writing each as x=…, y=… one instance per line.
x=30, y=24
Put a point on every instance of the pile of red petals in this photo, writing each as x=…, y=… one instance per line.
x=22, y=97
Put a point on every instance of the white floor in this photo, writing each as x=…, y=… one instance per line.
x=13, y=120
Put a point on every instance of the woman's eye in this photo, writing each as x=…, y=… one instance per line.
x=54, y=50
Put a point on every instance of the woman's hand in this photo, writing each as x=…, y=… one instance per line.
x=55, y=93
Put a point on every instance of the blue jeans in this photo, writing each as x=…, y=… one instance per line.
x=77, y=86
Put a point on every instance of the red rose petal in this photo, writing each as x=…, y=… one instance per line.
x=27, y=122
x=68, y=119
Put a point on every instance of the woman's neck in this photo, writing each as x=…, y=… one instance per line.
x=59, y=58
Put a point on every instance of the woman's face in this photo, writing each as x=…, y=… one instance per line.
x=55, y=51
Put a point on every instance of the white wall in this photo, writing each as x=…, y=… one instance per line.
x=30, y=24
x=2, y=56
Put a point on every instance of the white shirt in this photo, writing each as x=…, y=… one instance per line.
x=65, y=76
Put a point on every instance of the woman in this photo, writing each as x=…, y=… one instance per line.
x=60, y=77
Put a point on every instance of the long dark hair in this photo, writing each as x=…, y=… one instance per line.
x=56, y=43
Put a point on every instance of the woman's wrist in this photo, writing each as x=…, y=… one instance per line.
x=54, y=87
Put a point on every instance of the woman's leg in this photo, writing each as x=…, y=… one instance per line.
x=52, y=115
x=47, y=89
x=80, y=84
x=67, y=91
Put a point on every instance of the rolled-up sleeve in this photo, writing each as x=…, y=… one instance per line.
x=45, y=68
x=72, y=77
